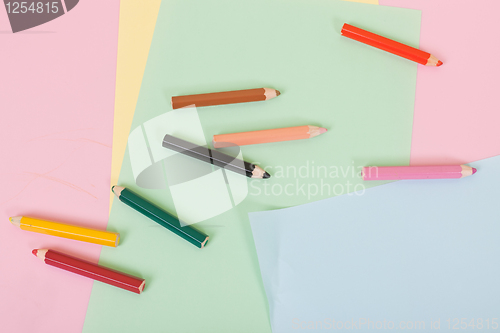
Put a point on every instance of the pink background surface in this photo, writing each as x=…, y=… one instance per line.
x=57, y=88
x=56, y=101
x=457, y=109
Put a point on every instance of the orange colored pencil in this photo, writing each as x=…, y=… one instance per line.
x=226, y=97
x=266, y=136
x=390, y=45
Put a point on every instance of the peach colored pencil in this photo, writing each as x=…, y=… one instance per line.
x=265, y=136
x=226, y=97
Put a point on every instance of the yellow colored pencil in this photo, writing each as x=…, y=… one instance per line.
x=66, y=231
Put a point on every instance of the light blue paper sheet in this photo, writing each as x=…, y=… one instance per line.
x=419, y=255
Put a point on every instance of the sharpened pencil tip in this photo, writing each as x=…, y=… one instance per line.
x=117, y=190
x=35, y=252
x=474, y=170
x=266, y=175
x=322, y=130
x=439, y=63
x=15, y=220
x=278, y=93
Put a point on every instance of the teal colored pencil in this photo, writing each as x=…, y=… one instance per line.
x=160, y=216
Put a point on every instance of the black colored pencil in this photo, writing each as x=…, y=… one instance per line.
x=214, y=157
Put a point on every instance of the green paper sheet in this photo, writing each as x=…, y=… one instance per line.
x=362, y=95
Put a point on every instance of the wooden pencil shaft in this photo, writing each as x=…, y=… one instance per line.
x=385, y=44
x=163, y=218
x=417, y=172
x=208, y=155
x=262, y=136
x=101, y=237
x=219, y=98
x=94, y=271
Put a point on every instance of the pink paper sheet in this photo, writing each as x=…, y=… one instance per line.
x=57, y=84
x=457, y=106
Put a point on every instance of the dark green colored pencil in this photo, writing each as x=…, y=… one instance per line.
x=160, y=216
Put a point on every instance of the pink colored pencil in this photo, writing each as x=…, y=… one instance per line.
x=417, y=172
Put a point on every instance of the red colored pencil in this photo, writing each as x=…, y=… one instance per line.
x=390, y=45
x=91, y=270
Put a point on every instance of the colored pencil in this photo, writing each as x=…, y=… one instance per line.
x=266, y=136
x=226, y=97
x=417, y=172
x=214, y=157
x=390, y=45
x=88, y=235
x=90, y=270
x=160, y=216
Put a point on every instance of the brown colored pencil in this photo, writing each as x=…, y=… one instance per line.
x=226, y=97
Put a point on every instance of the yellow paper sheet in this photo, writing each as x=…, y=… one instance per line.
x=136, y=27
x=137, y=23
